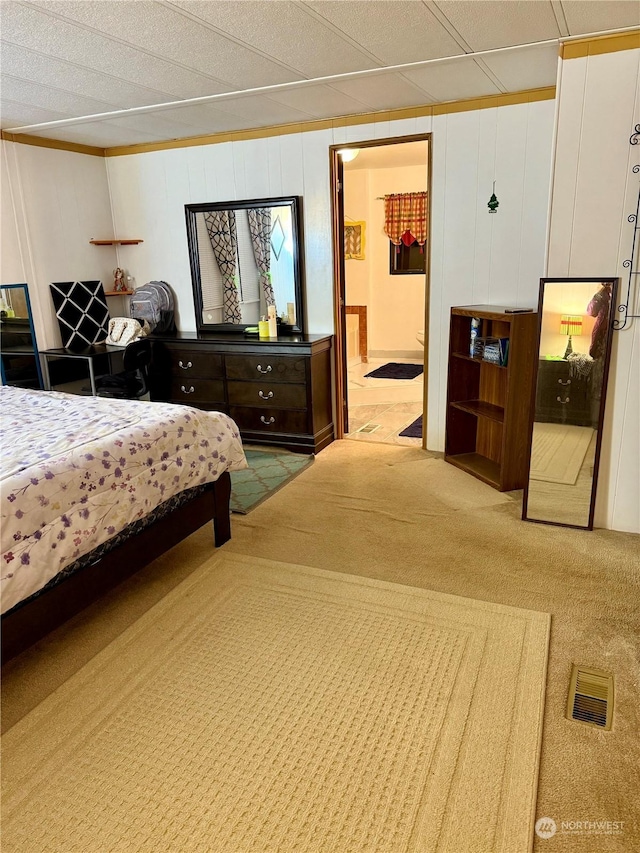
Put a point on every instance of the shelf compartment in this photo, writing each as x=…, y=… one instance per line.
x=481, y=409
x=477, y=360
x=474, y=463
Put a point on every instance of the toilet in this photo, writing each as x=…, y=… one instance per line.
x=420, y=337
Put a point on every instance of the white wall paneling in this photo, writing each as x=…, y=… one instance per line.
x=61, y=201
x=594, y=191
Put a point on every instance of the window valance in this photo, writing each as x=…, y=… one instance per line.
x=405, y=218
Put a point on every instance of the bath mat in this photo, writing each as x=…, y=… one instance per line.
x=268, y=471
x=267, y=706
x=394, y=370
x=414, y=430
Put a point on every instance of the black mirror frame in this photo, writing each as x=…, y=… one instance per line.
x=295, y=202
x=615, y=282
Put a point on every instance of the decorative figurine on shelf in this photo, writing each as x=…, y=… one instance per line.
x=119, y=284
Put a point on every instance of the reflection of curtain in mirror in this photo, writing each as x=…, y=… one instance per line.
x=260, y=227
x=221, y=227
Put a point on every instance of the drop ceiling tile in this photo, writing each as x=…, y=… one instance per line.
x=285, y=31
x=453, y=81
x=262, y=110
x=163, y=31
x=27, y=65
x=100, y=134
x=202, y=119
x=585, y=16
x=319, y=101
x=47, y=98
x=383, y=91
x=526, y=68
x=19, y=115
x=395, y=31
x=33, y=29
x=487, y=24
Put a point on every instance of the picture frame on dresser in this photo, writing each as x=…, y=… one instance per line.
x=572, y=366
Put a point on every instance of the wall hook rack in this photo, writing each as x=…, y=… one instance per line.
x=631, y=262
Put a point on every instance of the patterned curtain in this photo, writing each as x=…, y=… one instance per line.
x=260, y=228
x=221, y=226
x=405, y=218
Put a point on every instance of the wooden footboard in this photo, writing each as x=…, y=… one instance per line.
x=27, y=623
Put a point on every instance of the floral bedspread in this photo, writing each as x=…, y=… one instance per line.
x=76, y=470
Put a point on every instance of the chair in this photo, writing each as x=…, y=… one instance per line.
x=133, y=382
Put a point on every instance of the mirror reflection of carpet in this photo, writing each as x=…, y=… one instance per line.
x=558, y=452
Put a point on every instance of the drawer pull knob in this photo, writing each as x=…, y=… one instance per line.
x=563, y=402
x=265, y=396
x=267, y=370
x=189, y=390
x=264, y=420
x=185, y=366
x=560, y=382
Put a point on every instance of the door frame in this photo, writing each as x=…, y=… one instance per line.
x=336, y=180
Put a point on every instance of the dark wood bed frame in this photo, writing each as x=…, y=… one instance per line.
x=24, y=625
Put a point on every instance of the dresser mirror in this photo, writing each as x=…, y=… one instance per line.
x=575, y=318
x=245, y=257
x=19, y=359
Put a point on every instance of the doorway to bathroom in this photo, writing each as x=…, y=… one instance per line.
x=381, y=273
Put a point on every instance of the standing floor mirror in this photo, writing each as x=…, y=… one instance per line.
x=575, y=317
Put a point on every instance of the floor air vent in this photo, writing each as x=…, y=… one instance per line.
x=591, y=697
x=369, y=428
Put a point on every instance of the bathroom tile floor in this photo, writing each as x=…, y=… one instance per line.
x=383, y=407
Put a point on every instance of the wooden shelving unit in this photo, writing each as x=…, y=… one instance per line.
x=115, y=242
x=489, y=405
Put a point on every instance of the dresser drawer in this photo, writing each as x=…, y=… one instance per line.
x=269, y=420
x=278, y=368
x=266, y=393
x=190, y=391
x=193, y=363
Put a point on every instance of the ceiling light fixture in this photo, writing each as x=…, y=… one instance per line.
x=348, y=154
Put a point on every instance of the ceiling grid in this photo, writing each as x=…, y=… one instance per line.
x=112, y=73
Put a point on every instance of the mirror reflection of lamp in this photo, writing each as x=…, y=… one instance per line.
x=570, y=324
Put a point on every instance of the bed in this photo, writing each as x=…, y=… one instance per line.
x=92, y=489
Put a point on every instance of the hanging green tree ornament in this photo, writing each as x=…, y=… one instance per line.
x=493, y=202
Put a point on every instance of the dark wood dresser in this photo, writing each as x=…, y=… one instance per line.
x=277, y=391
x=562, y=398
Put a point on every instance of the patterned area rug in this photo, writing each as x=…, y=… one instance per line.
x=395, y=370
x=268, y=471
x=262, y=706
x=558, y=451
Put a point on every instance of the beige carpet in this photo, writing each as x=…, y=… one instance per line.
x=399, y=515
x=558, y=451
x=263, y=706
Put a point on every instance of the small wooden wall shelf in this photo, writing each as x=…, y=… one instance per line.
x=489, y=405
x=118, y=292
x=115, y=242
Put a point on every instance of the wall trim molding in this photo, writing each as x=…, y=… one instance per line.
x=598, y=45
x=59, y=144
x=485, y=102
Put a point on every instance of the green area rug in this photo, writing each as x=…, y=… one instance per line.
x=268, y=471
